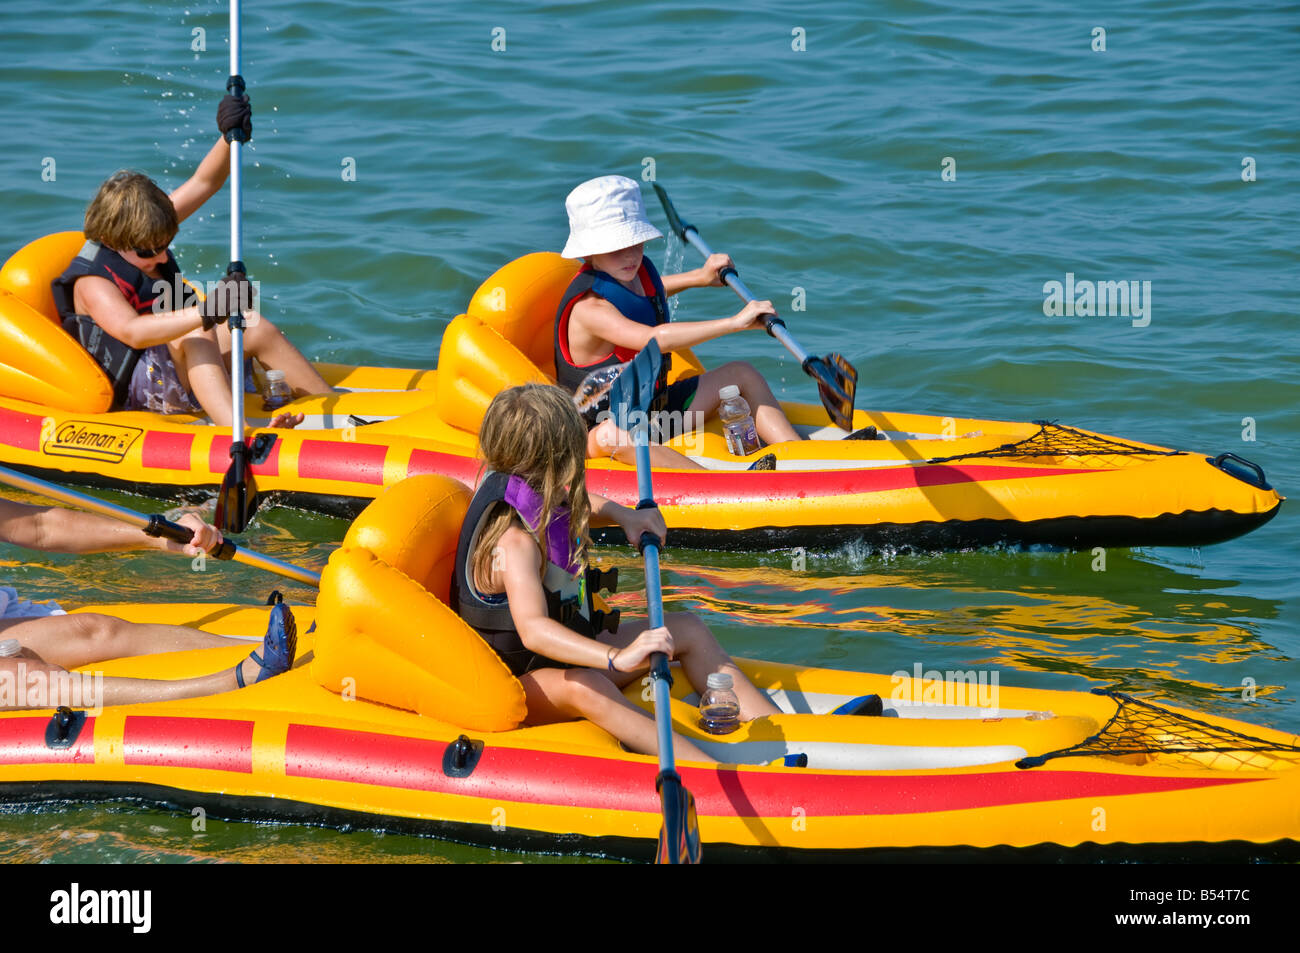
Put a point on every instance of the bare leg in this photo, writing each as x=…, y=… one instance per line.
x=199, y=367
x=266, y=342
x=560, y=694
x=59, y=687
x=700, y=655
x=82, y=638
x=606, y=440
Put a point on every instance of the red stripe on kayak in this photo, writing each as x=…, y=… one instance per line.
x=566, y=780
x=332, y=754
x=216, y=743
x=728, y=792
x=731, y=487
x=22, y=741
x=20, y=430
x=219, y=457
x=464, y=469
x=168, y=451
x=338, y=460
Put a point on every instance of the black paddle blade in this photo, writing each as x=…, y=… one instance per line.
x=837, y=383
x=674, y=220
x=679, y=837
x=237, y=498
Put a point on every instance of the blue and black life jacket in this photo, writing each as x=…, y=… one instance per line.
x=650, y=309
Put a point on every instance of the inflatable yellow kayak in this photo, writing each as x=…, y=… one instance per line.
x=398, y=717
x=933, y=482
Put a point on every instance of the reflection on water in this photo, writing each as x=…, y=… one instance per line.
x=1144, y=626
x=117, y=833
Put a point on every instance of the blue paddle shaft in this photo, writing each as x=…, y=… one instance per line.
x=663, y=724
x=659, y=675
x=653, y=590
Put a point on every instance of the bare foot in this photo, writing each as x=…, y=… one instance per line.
x=286, y=420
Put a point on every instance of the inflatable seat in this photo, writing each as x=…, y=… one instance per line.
x=28, y=274
x=519, y=303
x=475, y=363
x=507, y=336
x=384, y=631
x=39, y=361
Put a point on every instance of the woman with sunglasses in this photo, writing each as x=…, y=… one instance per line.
x=123, y=298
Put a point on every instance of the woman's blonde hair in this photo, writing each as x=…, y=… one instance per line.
x=129, y=211
x=534, y=432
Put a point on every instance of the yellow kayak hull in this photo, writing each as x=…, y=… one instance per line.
x=936, y=482
x=290, y=750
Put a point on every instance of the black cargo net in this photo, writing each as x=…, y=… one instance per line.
x=1144, y=731
x=1054, y=440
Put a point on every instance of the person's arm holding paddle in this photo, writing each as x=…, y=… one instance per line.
x=53, y=529
x=633, y=522
x=103, y=300
x=520, y=571
x=595, y=324
x=235, y=112
x=618, y=304
x=51, y=643
x=708, y=275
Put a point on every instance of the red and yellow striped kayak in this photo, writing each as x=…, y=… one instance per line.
x=932, y=482
x=398, y=717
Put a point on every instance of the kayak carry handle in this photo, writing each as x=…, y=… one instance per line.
x=64, y=727
x=1236, y=466
x=461, y=757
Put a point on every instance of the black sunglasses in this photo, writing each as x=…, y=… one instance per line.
x=151, y=252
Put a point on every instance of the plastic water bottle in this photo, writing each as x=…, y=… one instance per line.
x=737, y=422
x=277, y=391
x=719, y=708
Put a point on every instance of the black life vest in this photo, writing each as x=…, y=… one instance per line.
x=141, y=292
x=568, y=593
x=650, y=309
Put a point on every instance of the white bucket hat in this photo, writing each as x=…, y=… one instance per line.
x=605, y=215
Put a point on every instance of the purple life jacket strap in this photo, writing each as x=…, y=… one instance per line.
x=528, y=503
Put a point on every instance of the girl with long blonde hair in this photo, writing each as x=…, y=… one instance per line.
x=527, y=547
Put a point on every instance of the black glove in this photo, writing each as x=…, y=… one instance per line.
x=233, y=293
x=235, y=118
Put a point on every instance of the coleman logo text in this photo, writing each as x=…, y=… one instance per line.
x=93, y=441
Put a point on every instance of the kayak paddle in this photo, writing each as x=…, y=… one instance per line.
x=633, y=393
x=155, y=525
x=836, y=378
x=237, y=498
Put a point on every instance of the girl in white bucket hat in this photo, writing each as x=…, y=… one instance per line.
x=618, y=302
